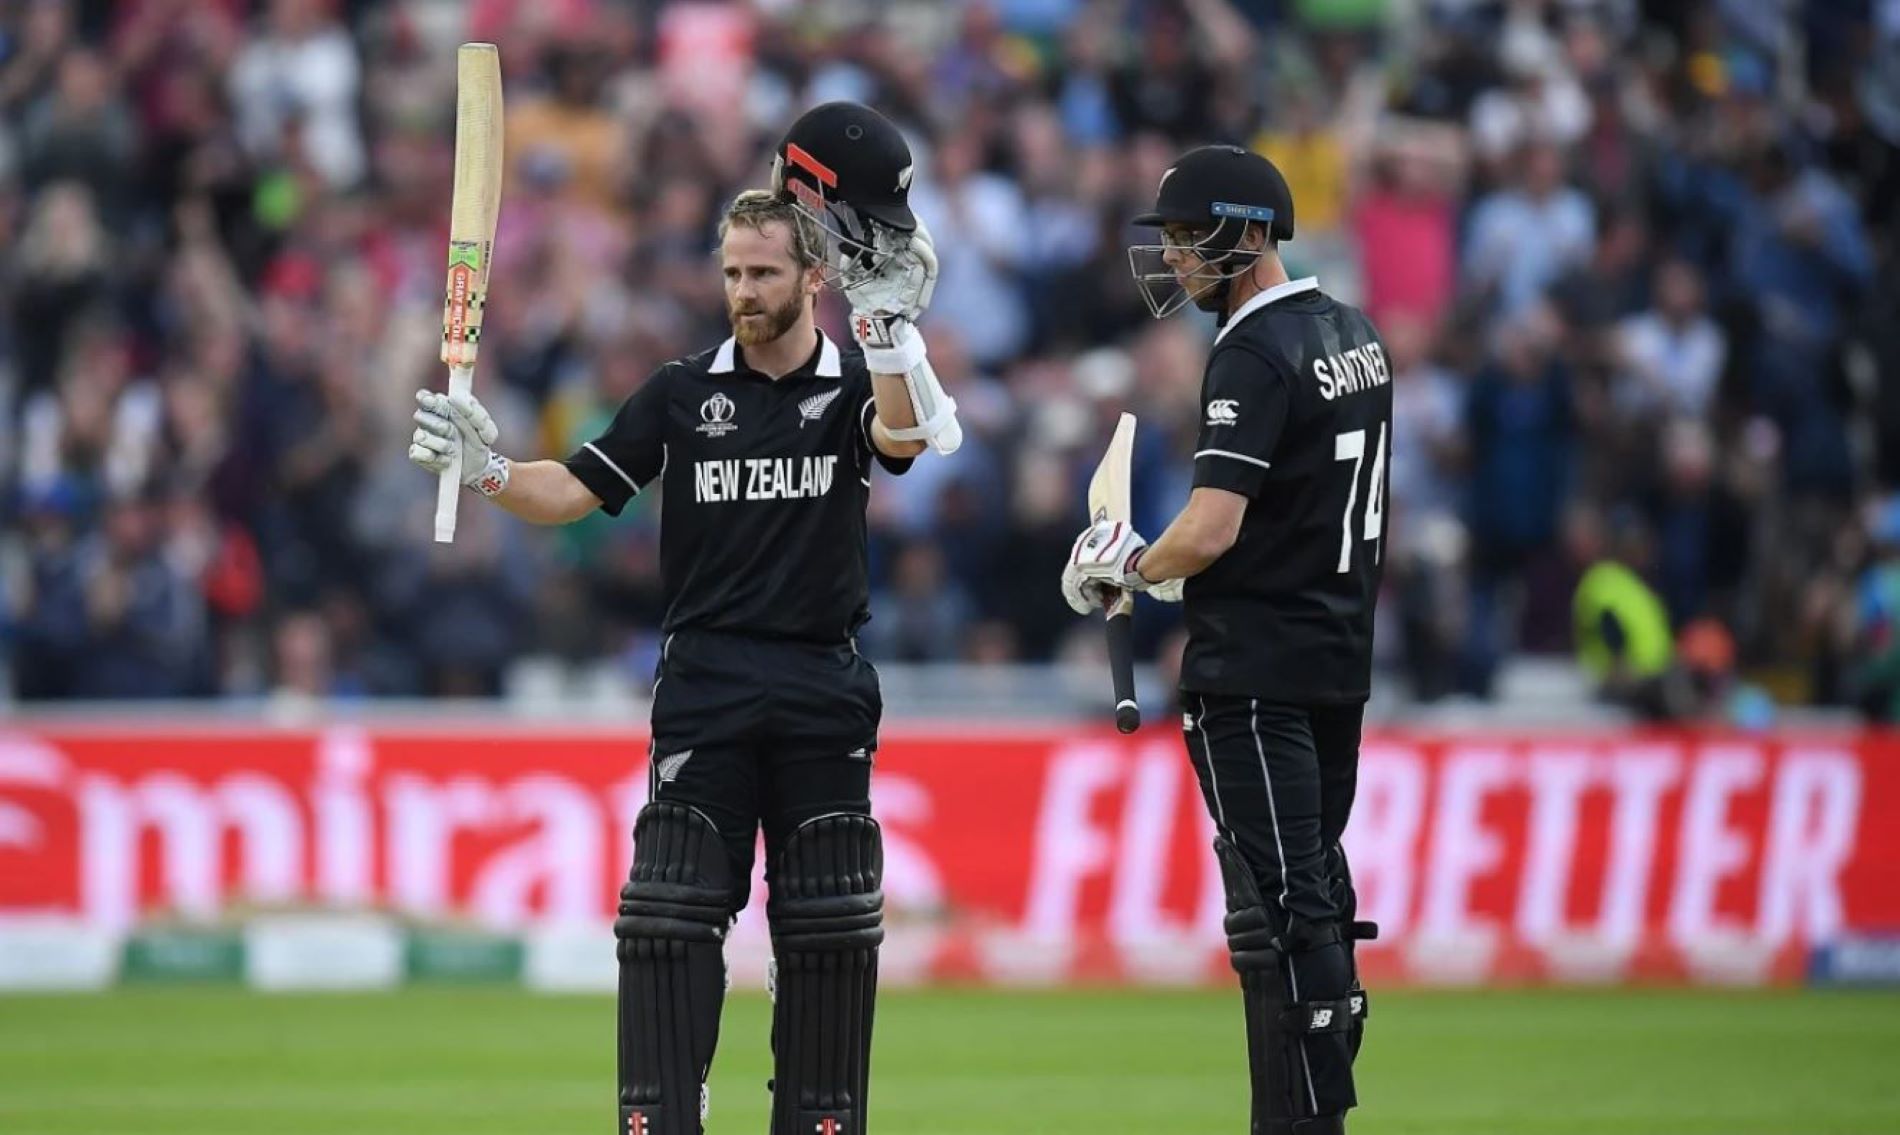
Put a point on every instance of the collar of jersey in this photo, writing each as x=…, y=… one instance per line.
x=1271, y=295
x=829, y=365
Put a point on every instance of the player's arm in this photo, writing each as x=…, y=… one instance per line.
x=1206, y=528
x=894, y=412
x=1245, y=402
x=913, y=409
x=456, y=429
x=545, y=492
x=605, y=473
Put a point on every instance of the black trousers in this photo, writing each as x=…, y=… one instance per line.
x=762, y=733
x=1279, y=782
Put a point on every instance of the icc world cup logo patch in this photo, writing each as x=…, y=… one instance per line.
x=715, y=416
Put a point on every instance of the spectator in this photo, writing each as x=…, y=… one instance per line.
x=978, y=220
x=1624, y=641
x=1672, y=354
x=296, y=87
x=80, y=133
x=1521, y=428
x=1524, y=237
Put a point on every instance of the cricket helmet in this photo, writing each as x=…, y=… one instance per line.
x=848, y=168
x=1214, y=192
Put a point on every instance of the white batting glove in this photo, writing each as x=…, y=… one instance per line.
x=902, y=282
x=455, y=431
x=1107, y=557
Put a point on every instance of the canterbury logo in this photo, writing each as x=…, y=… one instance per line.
x=670, y=766
x=1223, y=412
x=813, y=408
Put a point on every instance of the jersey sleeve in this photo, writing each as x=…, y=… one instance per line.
x=866, y=398
x=1244, y=405
x=619, y=463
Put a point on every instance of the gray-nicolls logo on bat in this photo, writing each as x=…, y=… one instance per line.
x=813, y=408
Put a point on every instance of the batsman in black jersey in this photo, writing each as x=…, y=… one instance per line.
x=764, y=715
x=1277, y=558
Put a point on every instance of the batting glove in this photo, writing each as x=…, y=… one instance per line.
x=454, y=431
x=1106, y=558
x=901, y=284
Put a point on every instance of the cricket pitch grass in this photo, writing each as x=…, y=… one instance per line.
x=470, y=1061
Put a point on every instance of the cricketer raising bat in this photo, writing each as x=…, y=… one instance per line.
x=472, y=216
x=1108, y=500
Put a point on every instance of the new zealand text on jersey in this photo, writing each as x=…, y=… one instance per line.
x=763, y=478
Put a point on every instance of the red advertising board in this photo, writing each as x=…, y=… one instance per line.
x=1031, y=854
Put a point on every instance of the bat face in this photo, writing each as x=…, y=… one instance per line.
x=477, y=201
x=1109, y=490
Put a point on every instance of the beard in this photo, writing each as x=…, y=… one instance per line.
x=777, y=321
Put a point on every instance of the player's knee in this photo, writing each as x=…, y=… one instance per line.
x=827, y=887
x=680, y=888
x=1252, y=937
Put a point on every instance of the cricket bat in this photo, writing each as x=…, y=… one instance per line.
x=472, y=215
x=1108, y=500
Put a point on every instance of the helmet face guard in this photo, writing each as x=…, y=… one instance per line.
x=1222, y=260
x=855, y=243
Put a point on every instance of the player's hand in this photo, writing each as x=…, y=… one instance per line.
x=1106, y=558
x=455, y=431
x=903, y=281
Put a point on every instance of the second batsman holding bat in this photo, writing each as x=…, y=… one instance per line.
x=764, y=714
x=1279, y=547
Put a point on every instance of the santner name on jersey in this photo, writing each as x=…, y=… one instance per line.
x=763, y=478
x=1349, y=372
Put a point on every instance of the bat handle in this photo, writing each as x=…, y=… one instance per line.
x=448, y=488
x=1121, y=665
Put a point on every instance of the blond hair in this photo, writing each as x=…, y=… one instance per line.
x=756, y=208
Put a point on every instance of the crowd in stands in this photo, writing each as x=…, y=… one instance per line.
x=1634, y=261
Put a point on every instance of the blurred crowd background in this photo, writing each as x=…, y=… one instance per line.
x=1634, y=260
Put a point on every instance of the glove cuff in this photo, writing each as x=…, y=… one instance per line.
x=891, y=345
x=493, y=477
x=1132, y=579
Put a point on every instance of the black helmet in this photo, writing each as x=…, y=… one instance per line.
x=1218, y=190
x=848, y=168
x=1209, y=184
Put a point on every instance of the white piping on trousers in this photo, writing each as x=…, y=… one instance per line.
x=1273, y=813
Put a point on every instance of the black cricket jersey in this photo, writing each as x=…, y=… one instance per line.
x=764, y=485
x=1296, y=416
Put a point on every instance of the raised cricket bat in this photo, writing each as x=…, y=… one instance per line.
x=472, y=216
x=1108, y=500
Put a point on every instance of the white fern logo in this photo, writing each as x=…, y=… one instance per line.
x=813, y=408
x=670, y=766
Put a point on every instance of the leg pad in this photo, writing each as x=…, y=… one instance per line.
x=827, y=918
x=674, y=912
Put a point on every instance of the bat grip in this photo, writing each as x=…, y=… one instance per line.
x=448, y=487
x=1121, y=665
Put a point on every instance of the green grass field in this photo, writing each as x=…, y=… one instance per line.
x=471, y=1062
